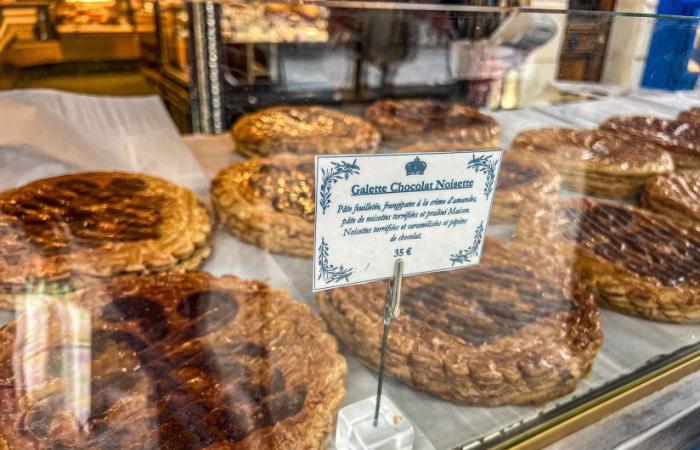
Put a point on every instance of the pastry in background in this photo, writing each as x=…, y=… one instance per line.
x=681, y=139
x=675, y=195
x=595, y=162
x=59, y=234
x=174, y=360
x=269, y=202
x=631, y=259
x=692, y=115
x=522, y=181
x=511, y=330
x=430, y=122
x=303, y=130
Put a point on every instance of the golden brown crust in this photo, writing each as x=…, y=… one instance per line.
x=594, y=161
x=66, y=230
x=175, y=360
x=17, y=297
x=692, y=115
x=429, y=122
x=303, y=130
x=675, y=195
x=631, y=259
x=269, y=202
x=507, y=331
x=681, y=139
x=522, y=181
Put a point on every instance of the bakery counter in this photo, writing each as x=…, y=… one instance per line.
x=633, y=358
x=91, y=42
x=633, y=349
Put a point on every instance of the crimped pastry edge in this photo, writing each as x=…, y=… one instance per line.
x=318, y=432
x=256, y=222
x=434, y=377
x=612, y=285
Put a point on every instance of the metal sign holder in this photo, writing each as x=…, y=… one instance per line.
x=392, y=303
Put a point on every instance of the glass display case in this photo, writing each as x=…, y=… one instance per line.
x=157, y=286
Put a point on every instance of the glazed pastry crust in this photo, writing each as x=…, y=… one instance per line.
x=459, y=336
x=522, y=181
x=269, y=202
x=632, y=260
x=681, y=139
x=174, y=361
x=428, y=122
x=303, y=130
x=675, y=195
x=595, y=162
x=59, y=234
x=692, y=115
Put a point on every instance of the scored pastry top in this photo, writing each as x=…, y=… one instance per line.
x=643, y=243
x=451, y=121
x=482, y=335
x=597, y=150
x=171, y=361
x=681, y=136
x=97, y=224
x=303, y=130
x=480, y=306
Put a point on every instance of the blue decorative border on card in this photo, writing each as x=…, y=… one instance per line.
x=485, y=165
x=329, y=274
x=327, y=271
x=466, y=255
x=340, y=170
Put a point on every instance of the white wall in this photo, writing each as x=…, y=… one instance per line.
x=542, y=66
x=628, y=44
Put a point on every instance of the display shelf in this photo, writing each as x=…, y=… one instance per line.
x=195, y=63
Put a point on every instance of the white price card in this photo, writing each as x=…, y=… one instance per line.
x=429, y=209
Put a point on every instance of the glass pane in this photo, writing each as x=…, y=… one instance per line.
x=159, y=195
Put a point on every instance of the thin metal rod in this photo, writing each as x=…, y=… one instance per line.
x=392, y=303
x=380, y=379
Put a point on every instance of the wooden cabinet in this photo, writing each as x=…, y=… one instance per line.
x=585, y=40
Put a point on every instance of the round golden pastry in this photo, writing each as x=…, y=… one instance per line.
x=692, y=115
x=311, y=12
x=58, y=234
x=631, y=259
x=675, y=195
x=596, y=162
x=269, y=202
x=430, y=122
x=512, y=330
x=173, y=360
x=522, y=181
x=277, y=8
x=303, y=130
x=680, y=139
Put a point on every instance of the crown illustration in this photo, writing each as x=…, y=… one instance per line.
x=416, y=167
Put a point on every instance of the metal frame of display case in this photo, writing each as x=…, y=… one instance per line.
x=563, y=420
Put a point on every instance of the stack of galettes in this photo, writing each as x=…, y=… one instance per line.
x=101, y=268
